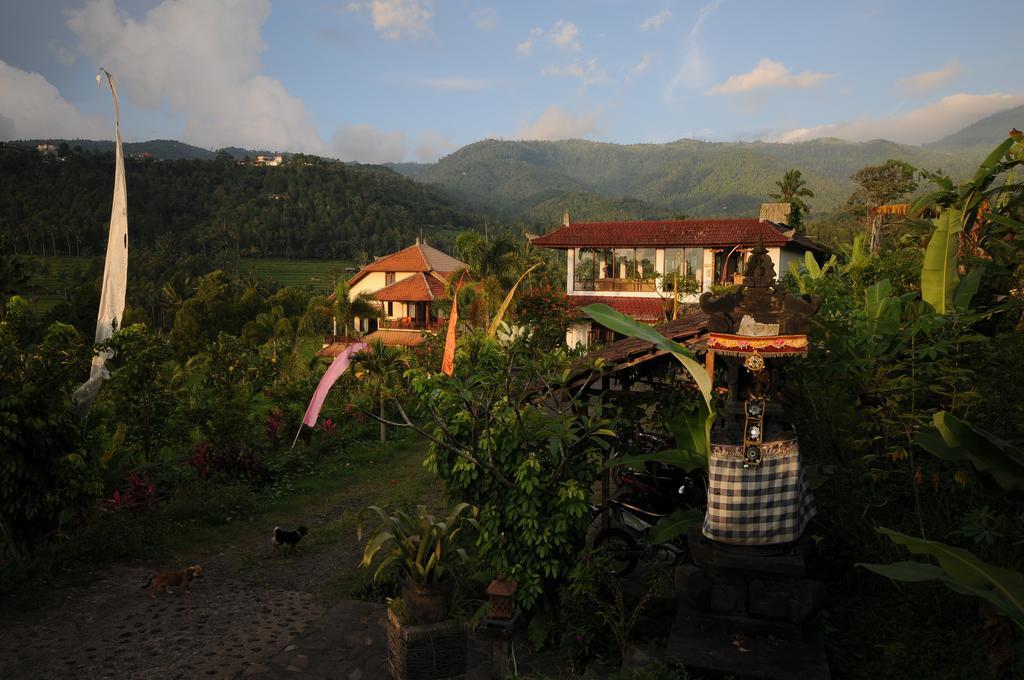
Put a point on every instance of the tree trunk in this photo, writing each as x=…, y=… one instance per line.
x=383, y=427
x=875, y=233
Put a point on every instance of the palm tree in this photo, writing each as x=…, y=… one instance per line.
x=793, y=189
x=496, y=265
x=384, y=366
x=346, y=309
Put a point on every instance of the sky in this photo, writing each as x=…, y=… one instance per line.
x=413, y=80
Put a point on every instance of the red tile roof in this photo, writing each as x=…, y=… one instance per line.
x=393, y=337
x=418, y=257
x=661, y=233
x=420, y=287
x=646, y=309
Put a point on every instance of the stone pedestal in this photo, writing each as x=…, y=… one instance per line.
x=426, y=652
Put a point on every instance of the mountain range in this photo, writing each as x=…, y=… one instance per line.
x=597, y=180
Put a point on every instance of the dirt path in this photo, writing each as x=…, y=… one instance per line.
x=250, y=606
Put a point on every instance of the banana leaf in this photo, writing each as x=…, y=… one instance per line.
x=967, y=289
x=675, y=525
x=954, y=440
x=961, y=571
x=684, y=459
x=939, y=276
x=507, y=301
x=620, y=323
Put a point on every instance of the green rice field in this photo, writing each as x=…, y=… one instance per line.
x=53, y=277
x=317, y=275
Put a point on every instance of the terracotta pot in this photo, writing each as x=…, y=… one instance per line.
x=427, y=602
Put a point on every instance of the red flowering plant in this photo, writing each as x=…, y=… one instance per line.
x=139, y=493
x=547, y=314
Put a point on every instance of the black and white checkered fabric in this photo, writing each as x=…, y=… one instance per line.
x=764, y=505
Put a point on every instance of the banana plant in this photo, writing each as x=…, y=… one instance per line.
x=952, y=439
x=961, y=207
x=422, y=546
x=692, y=432
x=811, y=270
x=960, y=571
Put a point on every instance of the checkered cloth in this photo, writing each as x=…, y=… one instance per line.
x=763, y=505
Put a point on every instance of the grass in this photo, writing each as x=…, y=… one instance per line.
x=206, y=517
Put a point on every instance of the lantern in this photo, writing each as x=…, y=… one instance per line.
x=502, y=599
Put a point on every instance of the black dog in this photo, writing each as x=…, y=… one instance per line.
x=289, y=538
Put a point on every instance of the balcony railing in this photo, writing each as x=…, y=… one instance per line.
x=411, y=324
x=625, y=285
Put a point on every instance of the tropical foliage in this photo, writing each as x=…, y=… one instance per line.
x=422, y=546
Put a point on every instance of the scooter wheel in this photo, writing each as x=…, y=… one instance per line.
x=620, y=549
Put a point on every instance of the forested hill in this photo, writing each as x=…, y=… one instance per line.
x=309, y=207
x=683, y=177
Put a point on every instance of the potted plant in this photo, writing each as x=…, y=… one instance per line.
x=422, y=644
x=423, y=548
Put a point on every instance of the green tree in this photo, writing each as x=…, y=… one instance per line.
x=46, y=473
x=509, y=436
x=384, y=366
x=793, y=189
x=879, y=185
x=140, y=389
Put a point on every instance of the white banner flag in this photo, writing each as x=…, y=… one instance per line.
x=115, y=268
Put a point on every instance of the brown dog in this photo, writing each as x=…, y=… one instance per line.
x=179, y=579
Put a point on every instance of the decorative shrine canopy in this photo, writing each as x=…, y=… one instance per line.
x=772, y=346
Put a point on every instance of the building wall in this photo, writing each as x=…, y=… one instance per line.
x=577, y=334
x=373, y=282
x=786, y=256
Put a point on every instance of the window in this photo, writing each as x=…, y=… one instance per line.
x=687, y=264
x=618, y=269
x=391, y=308
x=389, y=278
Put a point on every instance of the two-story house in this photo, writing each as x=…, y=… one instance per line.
x=404, y=284
x=635, y=267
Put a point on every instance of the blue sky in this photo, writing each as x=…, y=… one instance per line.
x=388, y=80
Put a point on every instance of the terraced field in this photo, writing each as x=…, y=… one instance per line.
x=318, y=275
x=51, y=279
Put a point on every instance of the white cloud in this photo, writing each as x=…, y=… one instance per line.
x=368, y=144
x=433, y=145
x=63, y=54
x=200, y=59
x=653, y=23
x=485, y=18
x=588, y=72
x=641, y=67
x=565, y=35
x=525, y=48
x=925, y=124
x=693, y=71
x=456, y=84
x=769, y=74
x=557, y=123
x=930, y=80
x=31, y=107
x=395, y=18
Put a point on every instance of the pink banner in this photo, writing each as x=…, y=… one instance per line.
x=334, y=371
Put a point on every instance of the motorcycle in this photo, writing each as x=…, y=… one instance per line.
x=644, y=497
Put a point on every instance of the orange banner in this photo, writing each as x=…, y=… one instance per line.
x=448, y=362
